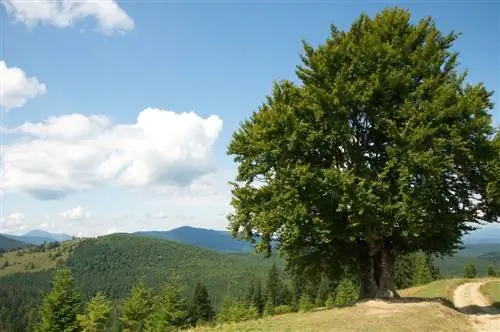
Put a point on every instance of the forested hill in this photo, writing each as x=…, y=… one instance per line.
x=112, y=264
x=117, y=261
x=7, y=244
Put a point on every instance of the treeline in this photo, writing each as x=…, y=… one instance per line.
x=64, y=309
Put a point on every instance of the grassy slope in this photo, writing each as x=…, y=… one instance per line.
x=364, y=317
x=35, y=261
x=491, y=291
x=441, y=288
x=370, y=316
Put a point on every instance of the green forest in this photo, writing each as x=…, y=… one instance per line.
x=113, y=270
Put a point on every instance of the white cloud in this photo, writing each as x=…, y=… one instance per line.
x=64, y=13
x=157, y=215
x=77, y=213
x=16, y=87
x=75, y=153
x=13, y=222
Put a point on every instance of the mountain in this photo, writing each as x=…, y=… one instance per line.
x=489, y=234
x=200, y=237
x=59, y=237
x=7, y=244
x=38, y=237
x=113, y=263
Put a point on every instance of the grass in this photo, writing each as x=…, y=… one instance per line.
x=438, y=289
x=491, y=290
x=36, y=261
x=371, y=316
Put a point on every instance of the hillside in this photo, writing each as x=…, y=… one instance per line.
x=114, y=263
x=7, y=244
x=370, y=316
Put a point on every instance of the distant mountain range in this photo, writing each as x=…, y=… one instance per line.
x=218, y=240
x=490, y=234
x=200, y=237
x=34, y=237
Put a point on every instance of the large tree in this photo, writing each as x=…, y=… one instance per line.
x=382, y=149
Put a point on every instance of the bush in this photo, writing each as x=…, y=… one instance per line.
x=233, y=311
x=305, y=304
x=346, y=292
x=281, y=309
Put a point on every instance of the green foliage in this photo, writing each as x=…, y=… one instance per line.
x=422, y=273
x=276, y=291
x=170, y=310
x=235, y=311
x=305, y=304
x=96, y=315
x=60, y=307
x=282, y=309
x=114, y=263
x=137, y=308
x=346, y=292
x=378, y=152
x=470, y=270
x=491, y=272
x=201, y=306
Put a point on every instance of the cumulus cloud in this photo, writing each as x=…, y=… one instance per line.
x=73, y=153
x=17, y=87
x=13, y=222
x=64, y=13
x=77, y=213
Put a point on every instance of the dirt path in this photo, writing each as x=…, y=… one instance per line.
x=469, y=300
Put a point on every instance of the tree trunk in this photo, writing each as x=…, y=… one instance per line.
x=376, y=270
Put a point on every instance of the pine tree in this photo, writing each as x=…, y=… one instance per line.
x=170, y=311
x=470, y=270
x=346, y=292
x=274, y=288
x=201, y=306
x=258, y=300
x=422, y=273
x=491, y=271
x=97, y=314
x=137, y=308
x=61, y=306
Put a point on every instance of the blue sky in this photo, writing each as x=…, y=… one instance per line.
x=77, y=158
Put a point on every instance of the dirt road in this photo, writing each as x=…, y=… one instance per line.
x=469, y=300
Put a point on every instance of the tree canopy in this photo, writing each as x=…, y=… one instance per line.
x=382, y=149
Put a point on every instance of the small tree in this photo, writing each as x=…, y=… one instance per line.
x=61, y=306
x=170, y=311
x=201, y=306
x=491, y=271
x=97, y=314
x=422, y=273
x=137, y=308
x=346, y=292
x=470, y=270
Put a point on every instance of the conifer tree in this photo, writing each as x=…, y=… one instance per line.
x=61, y=306
x=201, y=306
x=422, y=273
x=491, y=271
x=470, y=270
x=170, y=310
x=97, y=314
x=274, y=288
x=137, y=308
